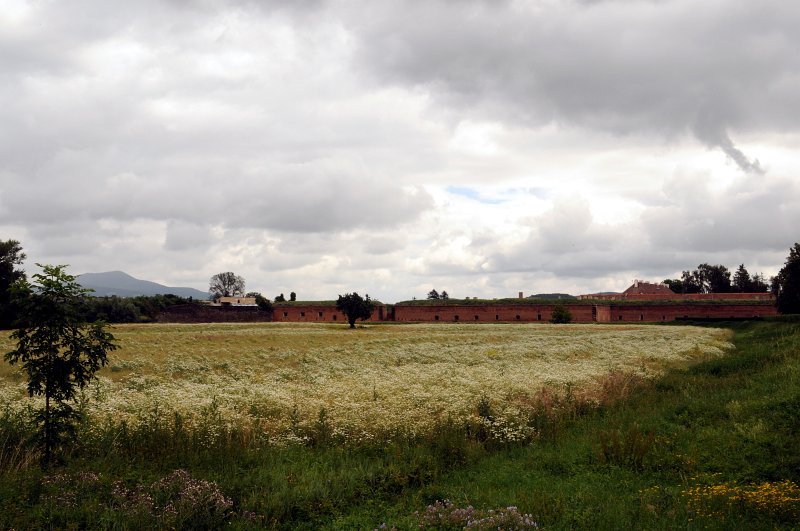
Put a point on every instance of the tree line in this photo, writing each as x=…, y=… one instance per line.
x=708, y=278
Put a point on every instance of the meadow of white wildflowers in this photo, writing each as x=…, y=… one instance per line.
x=378, y=382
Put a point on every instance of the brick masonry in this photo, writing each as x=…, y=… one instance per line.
x=582, y=312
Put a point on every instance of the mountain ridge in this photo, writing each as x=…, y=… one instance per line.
x=122, y=284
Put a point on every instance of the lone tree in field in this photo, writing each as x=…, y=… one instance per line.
x=58, y=349
x=354, y=307
x=11, y=256
x=560, y=315
x=226, y=284
x=787, y=283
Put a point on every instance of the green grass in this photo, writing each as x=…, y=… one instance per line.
x=732, y=421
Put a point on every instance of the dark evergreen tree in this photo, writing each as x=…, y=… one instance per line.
x=759, y=285
x=787, y=283
x=742, y=283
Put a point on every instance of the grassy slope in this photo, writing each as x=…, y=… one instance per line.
x=735, y=419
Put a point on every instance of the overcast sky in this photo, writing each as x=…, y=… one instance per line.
x=391, y=147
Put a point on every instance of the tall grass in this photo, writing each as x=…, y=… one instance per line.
x=714, y=444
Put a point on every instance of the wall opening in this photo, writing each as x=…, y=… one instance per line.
x=497, y=317
x=302, y=314
x=334, y=317
x=516, y=317
x=320, y=314
x=286, y=314
x=620, y=318
x=455, y=318
x=538, y=317
x=476, y=317
x=641, y=317
x=435, y=317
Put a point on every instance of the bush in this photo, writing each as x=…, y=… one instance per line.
x=560, y=315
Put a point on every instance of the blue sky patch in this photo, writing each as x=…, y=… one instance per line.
x=473, y=194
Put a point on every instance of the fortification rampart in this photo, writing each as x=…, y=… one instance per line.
x=205, y=313
x=765, y=296
x=583, y=311
x=489, y=312
x=670, y=312
x=300, y=312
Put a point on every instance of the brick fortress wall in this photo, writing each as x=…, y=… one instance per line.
x=317, y=313
x=582, y=312
x=487, y=313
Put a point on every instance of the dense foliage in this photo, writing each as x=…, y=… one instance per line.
x=560, y=315
x=11, y=256
x=708, y=278
x=787, y=283
x=435, y=295
x=264, y=304
x=139, y=309
x=354, y=307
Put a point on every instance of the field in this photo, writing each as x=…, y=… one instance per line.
x=275, y=381
x=313, y=426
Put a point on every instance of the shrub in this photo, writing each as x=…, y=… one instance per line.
x=560, y=315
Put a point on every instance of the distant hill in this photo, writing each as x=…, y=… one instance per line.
x=124, y=285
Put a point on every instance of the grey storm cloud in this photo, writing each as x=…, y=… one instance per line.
x=165, y=111
x=630, y=67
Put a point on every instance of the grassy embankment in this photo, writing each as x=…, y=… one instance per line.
x=706, y=445
x=716, y=445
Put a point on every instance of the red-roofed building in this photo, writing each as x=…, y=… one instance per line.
x=641, y=287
